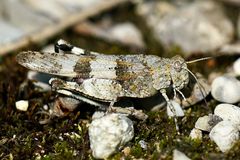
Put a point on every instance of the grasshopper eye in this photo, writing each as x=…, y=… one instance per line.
x=177, y=66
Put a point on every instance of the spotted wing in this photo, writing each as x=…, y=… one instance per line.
x=117, y=67
x=51, y=63
x=120, y=67
x=129, y=71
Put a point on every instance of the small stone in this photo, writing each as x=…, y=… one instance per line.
x=67, y=104
x=225, y=135
x=126, y=151
x=177, y=155
x=109, y=133
x=143, y=144
x=22, y=16
x=208, y=32
x=76, y=5
x=202, y=123
x=127, y=33
x=236, y=66
x=228, y=112
x=9, y=32
x=98, y=114
x=196, y=134
x=233, y=48
x=51, y=9
x=178, y=109
x=206, y=123
x=123, y=33
x=22, y=105
x=226, y=89
x=45, y=107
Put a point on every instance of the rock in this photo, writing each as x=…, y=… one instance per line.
x=206, y=123
x=230, y=49
x=208, y=32
x=127, y=33
x=51, y=9
x=97, y=115
x=236, y=66
x=226, y=89
x=109, y=133
x=225, y=135
x=126, y=151
x=76, y=5
x=196, y=134
x=123, y=33
x=202, y=123
x=22, y=16
x=63, y=105
x=178, y=109
x=228, y=112
x=22, y=105
x=143, y=144
x=177, y=155
x=9, y=32
x=154, y=11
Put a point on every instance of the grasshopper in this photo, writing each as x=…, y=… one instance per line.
x=107, y=78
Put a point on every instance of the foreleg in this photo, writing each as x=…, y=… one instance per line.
x=169, y=104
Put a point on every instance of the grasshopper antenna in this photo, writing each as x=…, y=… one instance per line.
x=201, y=88
x=200, y=59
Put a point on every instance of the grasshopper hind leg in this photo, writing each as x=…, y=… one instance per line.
x=170, y=105
x=82, y=98
x=62, y=87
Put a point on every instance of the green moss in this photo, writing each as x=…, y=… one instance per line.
x=137, y=151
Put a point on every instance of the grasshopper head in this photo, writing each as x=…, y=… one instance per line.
x=179, y=75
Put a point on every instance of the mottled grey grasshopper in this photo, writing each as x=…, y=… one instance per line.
x=107, y=78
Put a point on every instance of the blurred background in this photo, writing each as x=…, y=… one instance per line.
x=200, y=26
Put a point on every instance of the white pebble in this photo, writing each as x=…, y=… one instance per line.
x=22, y=105
x=226, y=89
x=178, y=109
x=143, y=144
x=177, y=155
x=228, y=112
x=97, y=114
x=109, y=133
x=45, y=107
x=236, y=66
x=206, y=123
x=224, y=134
x=127, y=33
x=196, y=134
